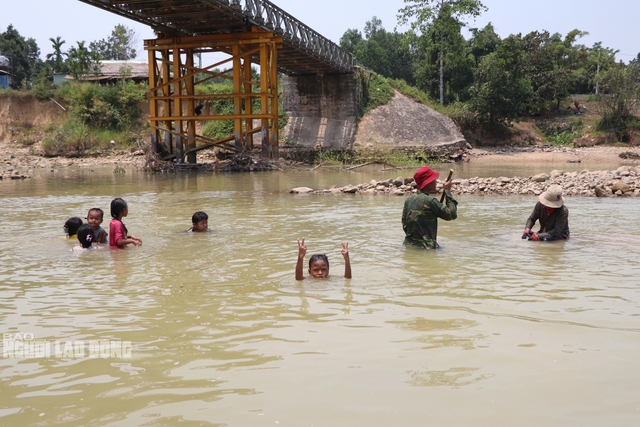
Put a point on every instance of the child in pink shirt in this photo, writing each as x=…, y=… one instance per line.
x=118, y=234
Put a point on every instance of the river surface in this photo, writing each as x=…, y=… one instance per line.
x=489, y=331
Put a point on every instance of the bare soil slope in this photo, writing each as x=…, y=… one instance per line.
x=23, y=111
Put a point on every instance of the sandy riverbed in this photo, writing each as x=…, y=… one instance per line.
x=22, y=159
x=551, y=155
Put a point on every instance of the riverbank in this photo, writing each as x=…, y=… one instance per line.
x=545, y=154
x=624, y=181
x=18, y=162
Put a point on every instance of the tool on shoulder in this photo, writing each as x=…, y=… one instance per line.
x=448, y=179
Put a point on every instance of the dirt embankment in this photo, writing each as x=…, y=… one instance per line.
x=402, y=123
x=22, y=114
x=24, y=121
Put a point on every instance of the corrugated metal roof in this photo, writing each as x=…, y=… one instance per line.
x=113, y=70
x=130, y=69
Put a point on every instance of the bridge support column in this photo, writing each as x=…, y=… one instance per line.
x=322, y=110
x=178, y=101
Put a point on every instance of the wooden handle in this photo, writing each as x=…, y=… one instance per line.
x=448, y=179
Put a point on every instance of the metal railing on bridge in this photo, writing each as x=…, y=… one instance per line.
x=304, y=50
x=267, y=15
x=250, y=32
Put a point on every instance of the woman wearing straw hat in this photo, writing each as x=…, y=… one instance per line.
x=552, y=214
x=421, y=211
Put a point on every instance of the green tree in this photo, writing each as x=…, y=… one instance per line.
x=501, y=90
x=351, y=40
x=374, y=57
x=539, y=64
x=483, y=42
x=83, y=62
x=442, y=16
x=599, y=60
x=120, y=45
x=455, y=71
x=555, y=67
x=23, y=54
x=56, y=58
x=387, y=53
x=99, y=106
x=568, y=59
x=618, y=101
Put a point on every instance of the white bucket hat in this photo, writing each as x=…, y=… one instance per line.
x=552, y=198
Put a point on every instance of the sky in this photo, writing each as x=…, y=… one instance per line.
x=615, y=23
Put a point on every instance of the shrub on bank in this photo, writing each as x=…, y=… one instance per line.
x=71, y=138
x=99, y=114
x=380, y=92
x=217, y=129
x=560, y=133
x=414, y=93
x=44, y=89
x=75, y=137
x=114, y=106
x=381, y=154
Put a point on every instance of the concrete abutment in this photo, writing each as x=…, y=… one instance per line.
x=322, y=110
x=325, y=112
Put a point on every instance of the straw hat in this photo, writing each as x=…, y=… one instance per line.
x=552, y=198
x=424, y=176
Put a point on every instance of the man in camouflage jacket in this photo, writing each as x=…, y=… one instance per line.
x=421, y=211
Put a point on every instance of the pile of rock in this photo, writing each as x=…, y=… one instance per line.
x=12, y=173
x=623, y=182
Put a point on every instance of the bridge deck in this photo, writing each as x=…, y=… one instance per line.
x=303, y=51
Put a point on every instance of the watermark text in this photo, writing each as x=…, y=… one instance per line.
x=26, y=346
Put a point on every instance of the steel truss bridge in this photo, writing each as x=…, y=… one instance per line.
x=250, y=32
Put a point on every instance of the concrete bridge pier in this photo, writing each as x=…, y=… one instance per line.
x=322, y=110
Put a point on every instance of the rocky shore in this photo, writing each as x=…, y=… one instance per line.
x=19, y=163
x=622, y=182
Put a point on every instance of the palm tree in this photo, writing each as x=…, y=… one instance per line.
x=57, y=54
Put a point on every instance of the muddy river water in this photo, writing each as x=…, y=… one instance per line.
x=213, y=329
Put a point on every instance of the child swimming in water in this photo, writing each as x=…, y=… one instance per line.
x=94, y=219
x=200, y=221
x=71, y=227
x=119, y=235
x=85, y=237
x=319, y=263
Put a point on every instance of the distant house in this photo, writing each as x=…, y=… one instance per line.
x=112, y=71
x=5, y=72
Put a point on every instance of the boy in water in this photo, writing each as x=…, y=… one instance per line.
x=94, y=219
x=200, y=221
x=319, y=263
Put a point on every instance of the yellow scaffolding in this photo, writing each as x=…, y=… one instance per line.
x=176, y=111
